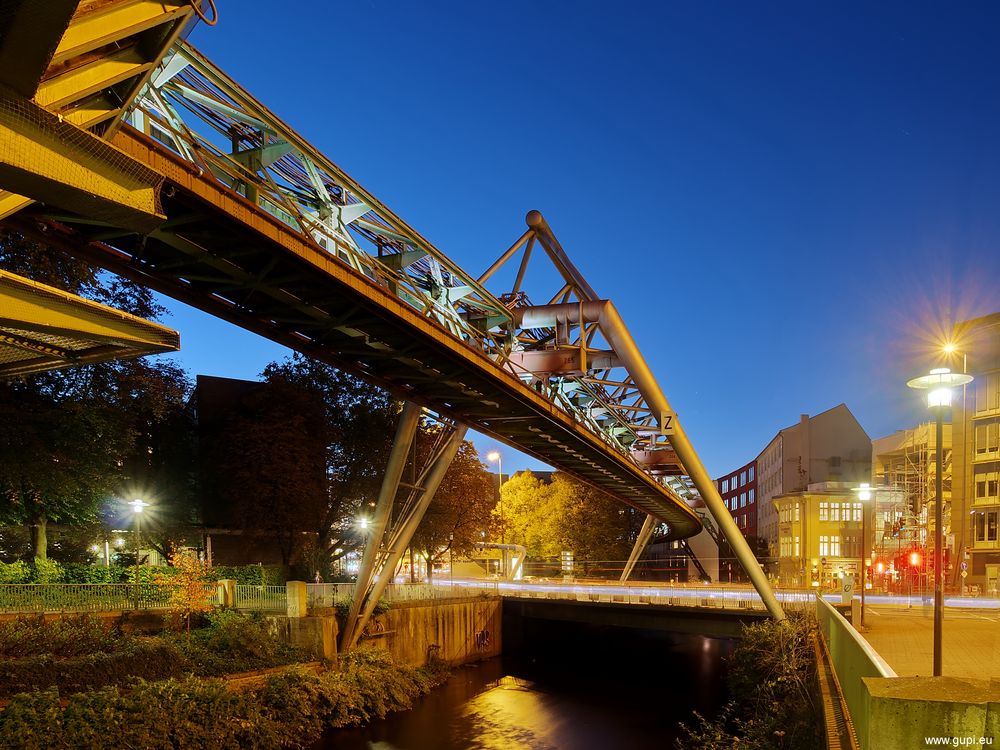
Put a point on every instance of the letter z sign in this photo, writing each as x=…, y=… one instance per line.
x=667, y=421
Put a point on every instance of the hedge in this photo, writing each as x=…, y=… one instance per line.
x=154, y=661
x=290, y=710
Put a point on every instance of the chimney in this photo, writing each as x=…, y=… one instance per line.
x=805, y=475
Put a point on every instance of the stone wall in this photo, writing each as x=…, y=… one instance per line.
x=456, y=631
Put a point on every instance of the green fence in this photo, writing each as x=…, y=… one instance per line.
x=853, y=658
x=33, y=598
x=261, y=598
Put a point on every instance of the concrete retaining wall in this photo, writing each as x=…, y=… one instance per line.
x=456, y=631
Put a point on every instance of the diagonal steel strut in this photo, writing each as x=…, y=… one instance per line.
x=379, y=563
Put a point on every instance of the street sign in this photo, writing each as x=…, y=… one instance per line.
x=847, y=589
x=964, y=566
x=965, y=573
x=667, y=419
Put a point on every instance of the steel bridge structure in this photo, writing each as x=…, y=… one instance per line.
x=121, y=143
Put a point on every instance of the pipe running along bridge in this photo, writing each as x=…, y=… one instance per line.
x=121, y=143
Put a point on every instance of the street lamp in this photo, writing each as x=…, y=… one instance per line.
x=864, y=495
x=495, y=456
x=138, y=506
x=938, y=385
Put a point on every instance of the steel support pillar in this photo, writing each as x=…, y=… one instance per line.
x=378, y=564
x=406, y=429
x=641, y=541
x=617, y=335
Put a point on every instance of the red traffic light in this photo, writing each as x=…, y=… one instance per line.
x=914, y=559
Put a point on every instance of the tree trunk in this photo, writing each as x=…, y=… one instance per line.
x=39, y=536
x=413, y=568
x=430, y=568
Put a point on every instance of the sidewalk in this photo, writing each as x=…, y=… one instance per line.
x=905, y=639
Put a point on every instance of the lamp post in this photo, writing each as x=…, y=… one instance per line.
x=938, y=385
x=864, y=495
x=495, y=456
x=138, y=506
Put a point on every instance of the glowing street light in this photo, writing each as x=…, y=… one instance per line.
x=864, y=495
x=938, y=385
x=491, y=457
x=138, y=507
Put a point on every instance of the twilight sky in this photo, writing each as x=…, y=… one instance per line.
x=786, y=202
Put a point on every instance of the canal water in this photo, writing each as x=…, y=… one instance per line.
x=575, y=687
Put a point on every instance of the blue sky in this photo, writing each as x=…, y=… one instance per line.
x=785, y=201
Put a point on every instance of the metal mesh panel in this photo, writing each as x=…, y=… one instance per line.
x=60, y=180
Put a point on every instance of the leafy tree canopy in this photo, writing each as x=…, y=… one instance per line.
x=72, y=439
x=565, y=514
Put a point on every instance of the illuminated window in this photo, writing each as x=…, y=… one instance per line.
x=824, y=511
x=824, y=546
x=834, y=512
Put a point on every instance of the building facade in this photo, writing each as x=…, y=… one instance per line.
x=823, y=536
x=738, y=489
x=829, y=447
x=976, y=485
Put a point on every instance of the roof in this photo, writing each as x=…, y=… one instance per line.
x=44, y=328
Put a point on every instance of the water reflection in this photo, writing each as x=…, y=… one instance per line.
x=574, y=692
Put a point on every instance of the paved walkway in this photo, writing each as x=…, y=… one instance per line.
x=905, y=639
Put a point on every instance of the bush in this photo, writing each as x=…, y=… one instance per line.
x=250, y=575
x=234, y=642
x=15, y=572
x=290, y=710
x=76, y=636
x=82, y=573
x=46, y=571
x=150, y=660
x=772, y=676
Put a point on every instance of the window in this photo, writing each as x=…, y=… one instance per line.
x=750, y=472
x=796, y=553
x=987, y=439
x=743, y=478
x=824, y=511
x=988, y=393
x=824, y=546
x=835, y=546
x=725, y=485
x=743, y=499
x=858, y=510
x=834, y=511
x=986, y=526
x=796, y=512
x=750, y=494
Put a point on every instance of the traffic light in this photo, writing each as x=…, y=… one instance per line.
x=915, y=559
x=880, y=567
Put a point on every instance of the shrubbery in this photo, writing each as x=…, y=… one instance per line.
x=50, y=571
x=233, y=642
x=772, y=676
x=81, y=654
x=291, y=710
x=148, y=659
x=70, y=636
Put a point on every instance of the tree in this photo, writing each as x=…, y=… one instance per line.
x=66, y=436
x=460, y=510
x=189, y=595
x=566, y=514
x=360, y=420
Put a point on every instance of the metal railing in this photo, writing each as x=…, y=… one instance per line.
x=261, y=598
x=31, y=598
x=853, y=658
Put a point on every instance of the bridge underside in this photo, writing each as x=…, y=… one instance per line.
x=252, y=270
x=693, y=620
